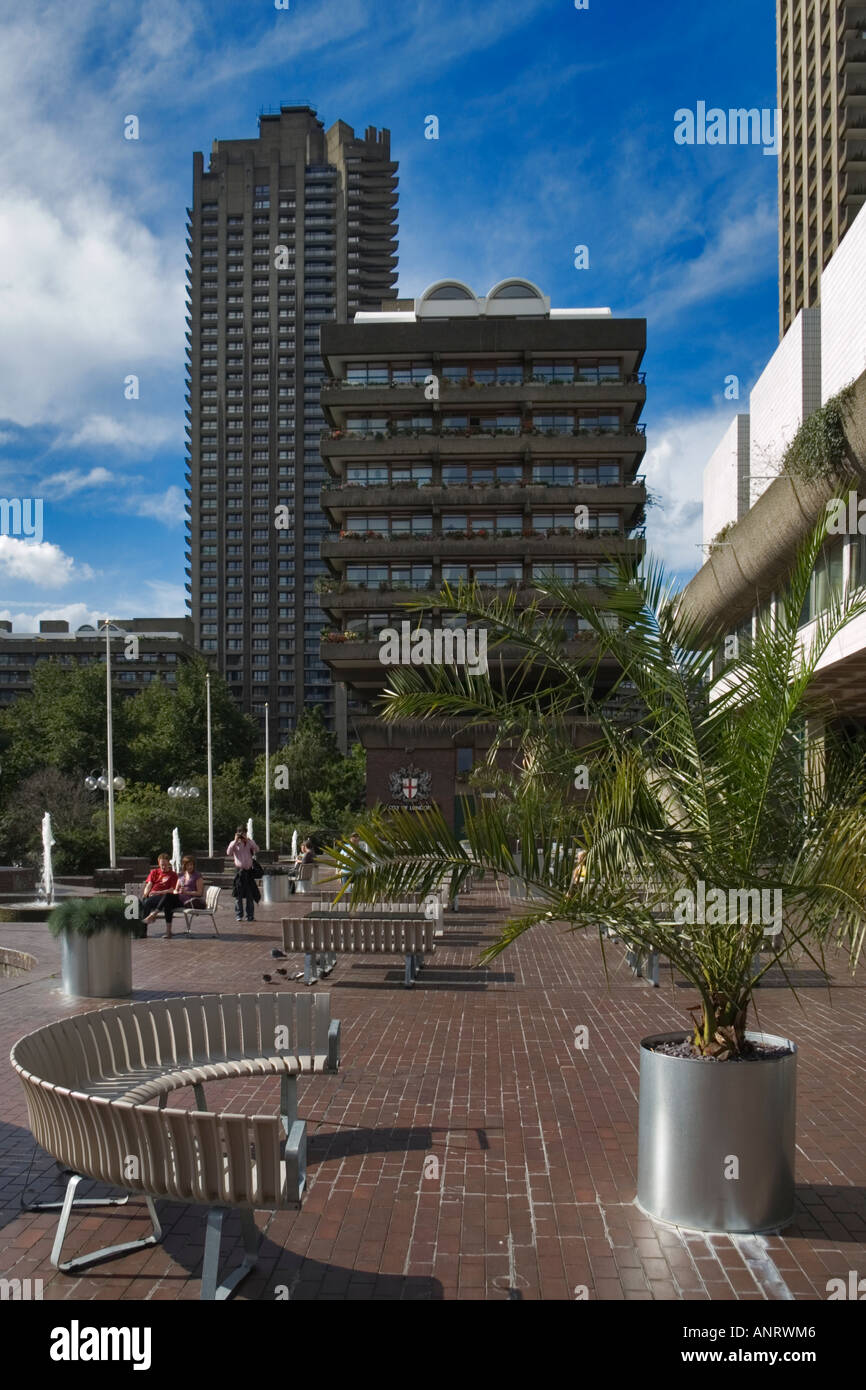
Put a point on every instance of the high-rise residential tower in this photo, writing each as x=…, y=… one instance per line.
x=287, y=230
x=821, y=52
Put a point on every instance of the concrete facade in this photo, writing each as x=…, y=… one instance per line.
x=465, y=431
x=160, y=645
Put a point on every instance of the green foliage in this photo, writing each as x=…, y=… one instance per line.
x=78, y=846
x=720, y=536
x=51, y=739
x=167, y=727
x=88, y=916
x=60, y=725
x=820, y=449
x=690, y=782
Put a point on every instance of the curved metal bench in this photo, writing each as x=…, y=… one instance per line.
x=87, y=1080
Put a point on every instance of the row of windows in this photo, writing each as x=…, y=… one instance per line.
x=551, y=422
x=588, y=472
x=566, y=371
x=510, y=523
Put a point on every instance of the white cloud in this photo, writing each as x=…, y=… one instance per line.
x=73, y=480
x=74, y=613
x=131, y=436
x=167, y=507
x=674, y=467
x=85, y=297
x=164, y=599
x=736, y=255
x=41, y=563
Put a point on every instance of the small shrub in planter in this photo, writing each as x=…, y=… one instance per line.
x=88, y=916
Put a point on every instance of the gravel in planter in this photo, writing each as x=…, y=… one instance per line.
x=751, y=1052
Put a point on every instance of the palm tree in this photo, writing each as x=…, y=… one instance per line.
x=702, y=785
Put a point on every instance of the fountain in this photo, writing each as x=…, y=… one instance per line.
x=294, y=844
x=250, y=828
x=19, y=907
x=176, y=857
x=45, y=891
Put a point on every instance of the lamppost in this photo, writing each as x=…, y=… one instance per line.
x=108, y=782
x=267, y=778
x=112, y=858
x=209, y=775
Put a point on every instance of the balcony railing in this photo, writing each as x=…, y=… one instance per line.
x=466, y=384
x=477, y=431
x=483, y=534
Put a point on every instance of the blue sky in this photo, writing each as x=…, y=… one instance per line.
x=556, y=129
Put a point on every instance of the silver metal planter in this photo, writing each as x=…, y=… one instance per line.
x=98, y=966
x=716, y=1139
x=275, y=888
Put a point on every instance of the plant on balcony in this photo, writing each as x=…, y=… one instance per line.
x=481, y=534
x=350, y=535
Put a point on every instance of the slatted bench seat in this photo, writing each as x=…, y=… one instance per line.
x=411, y=937
x=87, y=1079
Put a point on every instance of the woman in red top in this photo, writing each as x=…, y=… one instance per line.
x=158, y=894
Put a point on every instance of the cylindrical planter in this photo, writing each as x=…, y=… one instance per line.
x=716, y=1139
x=275, y=888
x=97, y=966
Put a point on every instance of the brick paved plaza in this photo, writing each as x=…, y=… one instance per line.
x=535, y=1142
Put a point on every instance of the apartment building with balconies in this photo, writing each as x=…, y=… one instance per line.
x=488, y=439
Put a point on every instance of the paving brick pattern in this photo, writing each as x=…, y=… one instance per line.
x=467, y=1149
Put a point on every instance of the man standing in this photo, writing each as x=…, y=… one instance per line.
x=242, y=851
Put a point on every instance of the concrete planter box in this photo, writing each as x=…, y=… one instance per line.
x=697, y=1117
x=98, y=966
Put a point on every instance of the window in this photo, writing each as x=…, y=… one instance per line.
x=558, y=423
x=554, y=474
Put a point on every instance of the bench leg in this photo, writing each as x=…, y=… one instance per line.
x=409, y=976
x=108, y=1252
x=81, y=1202
x=213, y=1239
x=296, y=1162
x=288, y=1101
x=198, y=1092
x=308, y=969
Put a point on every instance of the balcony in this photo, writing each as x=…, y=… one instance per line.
x=567, y=543
x=350, y=496
x=623, y=390
x=339, y=444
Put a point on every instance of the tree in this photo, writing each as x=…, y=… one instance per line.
x=168, y=727
x=310, y=763
x=697, y=786
x=61, y=724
